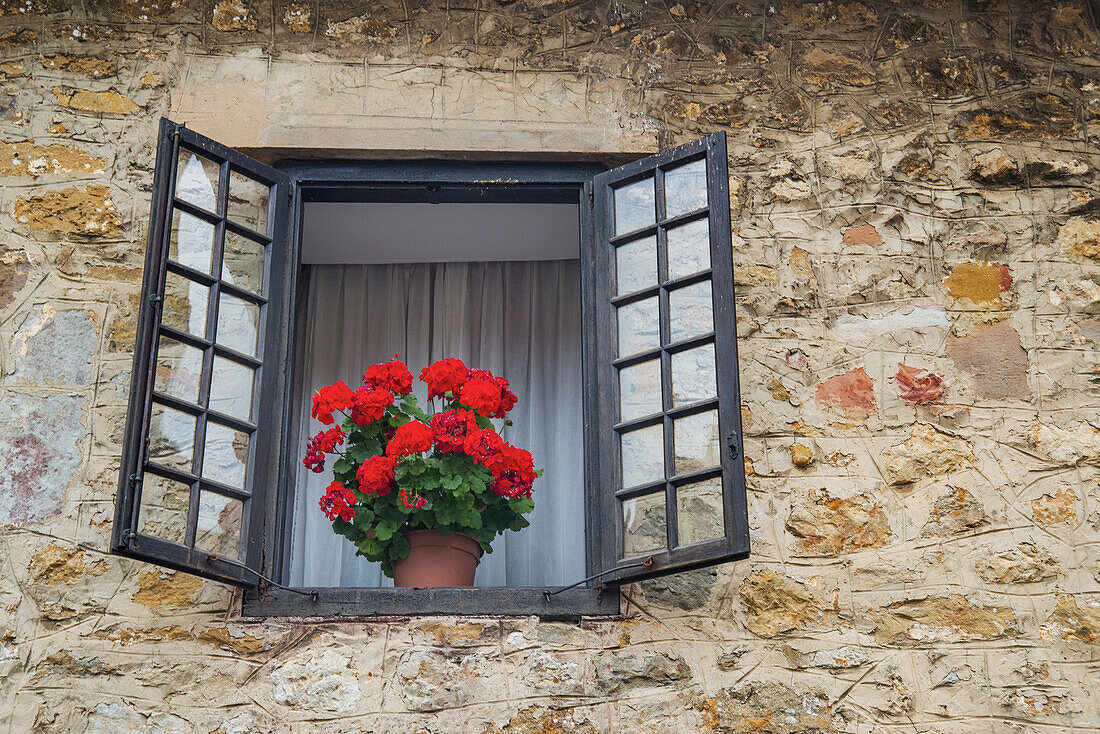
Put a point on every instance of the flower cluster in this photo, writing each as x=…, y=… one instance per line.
x=402, y=469
x=325, y=442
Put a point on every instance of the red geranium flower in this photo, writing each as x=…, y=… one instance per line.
x=446, y=375
x=412, y=438
x=513, y=472
x=483, y=445
x=451, y=428
x=369, y=404
x=417, y=504
x=325, y=442
x=393, y=375
x=329, y=399
x=375, y=475
x=487, y=394
x=338, y=502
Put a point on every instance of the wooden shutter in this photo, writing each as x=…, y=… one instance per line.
x=672, y=478
x=198, y=441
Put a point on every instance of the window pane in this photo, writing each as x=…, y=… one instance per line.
x=686, y=188
x=163, y=509
x=643, y=455
x=243, y=262
x=695, y=438
x=179, y=367
x=690, y=311
x=635, y=206
x=171, y=437
x=185, y=305
x=219, y=529
x=699, y=513
x=197, y=180
x=636, y=265
x=688, y=249
x=238, y=324
x=231, y=388
x=644, y=525
x=248, y=199
x=191, y=242
x=693, y=377
x=640, y=390
x=225, y=456
x=639, y=326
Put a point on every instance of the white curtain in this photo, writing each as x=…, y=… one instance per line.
x=521, y=320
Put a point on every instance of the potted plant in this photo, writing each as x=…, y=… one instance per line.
x=422, y=494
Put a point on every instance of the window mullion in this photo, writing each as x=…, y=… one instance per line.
x=666, y=358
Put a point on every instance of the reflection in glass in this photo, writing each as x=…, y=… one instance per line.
x=639, y=326
x=640, y=390
x=163, y=509
x=243, y=262
x=695, y=438
x=636, y=265
x=688, y=249
x=686, y=188
x=179, y=367
x=643, y=455
x=171, y=437
x=248, y=200
x=699, y=512
x=225, y=455
x=644, y=525
x=184, y=307
x=635, y=206
x=191, y=242
x=219, y=526
x=693, y=375
x=690, y=311
x=197, y=180
x=231, y=389
x=238, y=323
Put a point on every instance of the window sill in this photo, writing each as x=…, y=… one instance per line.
x=483, y=602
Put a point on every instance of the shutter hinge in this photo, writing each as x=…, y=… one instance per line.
x=154, y=300
x=731, y=444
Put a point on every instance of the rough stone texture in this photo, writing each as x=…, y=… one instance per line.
x=914, y=203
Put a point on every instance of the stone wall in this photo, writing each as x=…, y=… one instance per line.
x=918, y=272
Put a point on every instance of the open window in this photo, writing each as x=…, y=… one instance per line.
x=605, y=296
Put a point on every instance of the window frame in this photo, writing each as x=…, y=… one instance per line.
x=429, y=180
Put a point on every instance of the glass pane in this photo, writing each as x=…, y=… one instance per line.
x=640, y=390
x=643, y=455
x=197, y=180
x=636, y=265
x=693, y=377
x=179, y=367
x=238, y=324
x=690, y=311
x=171, y=437
x=248, y=201
x=635, y=206
x=191, y=242
x=639, y=326
x=185, y=305
x=699, y=513
x=695, y=438
x=225, y=456
x=688, y=249
x=243, y=262
x=163, y=509
x=644, y=525
x=231, y=389
x=686, y=188
x=219, y=529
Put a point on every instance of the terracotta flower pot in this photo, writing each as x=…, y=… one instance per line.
x=437, y=560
